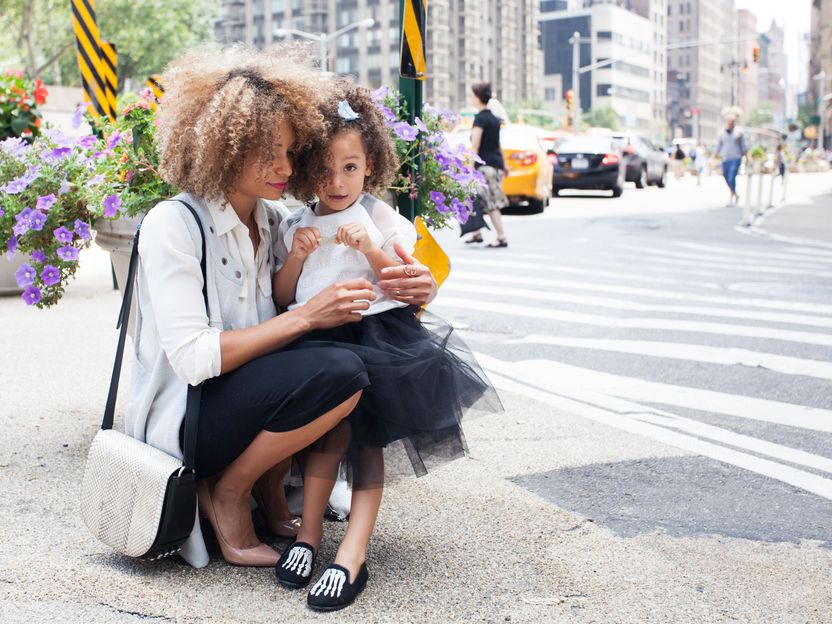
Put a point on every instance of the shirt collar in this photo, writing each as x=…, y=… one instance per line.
x=226, y=218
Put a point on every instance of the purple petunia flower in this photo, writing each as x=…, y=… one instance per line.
x=405, y=131
x=436, y=197
x=82, y=230
x=18, y=185
x=2, y=212
x=460, y=209
x=31, y=295
x=37, y=220
x=63, y=235
x=96, y=180
x=25, y=275
x=38, y=256
x=388, y=115
x=114, y=139
x=14, y=147
x=421, y=125
x=68, y=253
x=50, y=275
x=58, y=153
x=45, y=202
x=111, y=205
x=11, y=246
x=87, y=142
x=78, y=117
x=64, y=188
x=379, y=94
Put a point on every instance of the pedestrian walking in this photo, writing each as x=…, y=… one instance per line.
x=700, y=162
x=422, y=377
x=485, y=142
x=227, y=131
x=731, y=147
x=678, y=161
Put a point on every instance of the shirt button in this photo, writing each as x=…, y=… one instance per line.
x=271, y=221
x=225, y=260
x=211, y=227
x=238, y=275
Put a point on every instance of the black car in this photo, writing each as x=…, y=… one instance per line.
x=646, y=163
x=589, y=162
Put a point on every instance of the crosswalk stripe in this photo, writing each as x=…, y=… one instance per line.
x=792, y=254
x=622, y=304
x=559, y=268
x=722, y=264
x=566, y=379
x=774, y=304
x=726, y=356
x=787, y=474
x=652, y=324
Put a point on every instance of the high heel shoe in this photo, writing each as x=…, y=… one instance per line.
x=288, y=527
x=260, y=556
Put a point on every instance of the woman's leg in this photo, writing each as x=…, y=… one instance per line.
x=270, y=494
x=497, y=221
x=230, y=493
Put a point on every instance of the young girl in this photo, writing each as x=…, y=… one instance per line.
x=422, y=377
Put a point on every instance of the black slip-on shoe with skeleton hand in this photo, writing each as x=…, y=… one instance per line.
x=294, y=568
x=334, y=591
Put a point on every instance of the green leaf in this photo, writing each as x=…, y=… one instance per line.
x=20, y=123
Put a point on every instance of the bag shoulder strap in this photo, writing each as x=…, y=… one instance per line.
x=194, y=392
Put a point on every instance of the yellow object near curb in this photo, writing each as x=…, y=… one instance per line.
x=428, y=252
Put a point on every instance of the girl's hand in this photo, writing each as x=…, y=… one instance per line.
x=305, y=241
x=355, y=235
x=338, y=304
x=410, y=283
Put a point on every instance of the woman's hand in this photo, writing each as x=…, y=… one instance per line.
x=305, y=241
x=410, y=282
x=338, y=304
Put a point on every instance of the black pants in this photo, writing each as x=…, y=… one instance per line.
x=282, y=391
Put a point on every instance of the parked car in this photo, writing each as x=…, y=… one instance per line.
x=589, y=162
x=530, y=169
x=646, y=163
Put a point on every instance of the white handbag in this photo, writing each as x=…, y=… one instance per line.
x=136, y=499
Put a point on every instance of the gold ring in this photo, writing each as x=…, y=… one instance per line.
x=398, y=292
x=410, y=270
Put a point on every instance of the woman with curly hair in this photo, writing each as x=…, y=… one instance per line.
x=419, y=384
x=229, y=127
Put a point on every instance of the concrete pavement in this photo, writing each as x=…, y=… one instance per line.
x=469, y=543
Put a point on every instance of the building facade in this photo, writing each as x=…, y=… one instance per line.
x=747, y=74
x=702, y=78
x=772, y=76
x=467, y=41
x=629, y=33
x=820, y=60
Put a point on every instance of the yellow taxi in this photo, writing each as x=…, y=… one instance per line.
x=529, y=181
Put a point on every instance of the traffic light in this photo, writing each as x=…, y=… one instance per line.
x=755, y=52
x=570, y=99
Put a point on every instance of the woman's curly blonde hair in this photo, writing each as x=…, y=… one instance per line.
x=221, y=111
x=311, y=164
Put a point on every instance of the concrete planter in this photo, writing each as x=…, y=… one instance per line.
x=116, y=236
x=8, y=284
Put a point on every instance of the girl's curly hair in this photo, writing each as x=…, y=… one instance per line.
x=221, y=111
x=310, y=165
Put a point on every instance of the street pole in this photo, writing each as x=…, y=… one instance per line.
x=821, y=77
x=323, y=52
x=575, y=40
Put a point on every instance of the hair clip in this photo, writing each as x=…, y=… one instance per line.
x=346, y=112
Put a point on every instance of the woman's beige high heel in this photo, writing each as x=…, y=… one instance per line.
x=287, y=527
x=261, y=556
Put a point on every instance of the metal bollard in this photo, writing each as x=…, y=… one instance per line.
x=771, y=188
x=786, y=176
x=760, y=180
x=746, y=207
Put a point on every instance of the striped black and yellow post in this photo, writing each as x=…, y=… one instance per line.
x=89, y=55
x=109, y=67
x=412, y=54
x=155, y=84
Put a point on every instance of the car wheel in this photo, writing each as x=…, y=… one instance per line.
x=661, y=181
x=556, y=192
x=617, y=190
x=536, y=205
x=641, y=180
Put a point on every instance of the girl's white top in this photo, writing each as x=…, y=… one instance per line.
x=332, y=262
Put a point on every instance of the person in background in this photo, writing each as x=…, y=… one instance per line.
x=700, y=162
x=678, y=162
x=731, y=147
x=485, y=142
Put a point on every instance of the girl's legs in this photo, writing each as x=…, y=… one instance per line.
x=231, y=491
x=270, y=494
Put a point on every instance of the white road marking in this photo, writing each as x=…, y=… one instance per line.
x=727, y=356
x=774, y=304
x=623, y=304
x=567, y=380
x=789, y=253
x=651, y=324
x=786, y=474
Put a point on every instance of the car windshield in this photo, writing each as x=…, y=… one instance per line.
x=585, y=145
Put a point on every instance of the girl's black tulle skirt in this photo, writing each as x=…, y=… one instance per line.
x=423, y=380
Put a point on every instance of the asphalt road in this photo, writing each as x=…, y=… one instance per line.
x=653, y=313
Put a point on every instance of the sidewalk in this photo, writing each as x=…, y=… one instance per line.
x=807, y=212
x=469, y=543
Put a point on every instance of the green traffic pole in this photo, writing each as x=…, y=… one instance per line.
x=411, y=91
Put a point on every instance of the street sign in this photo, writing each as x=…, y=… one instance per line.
x=89, y=56
x=412, y=54
x=109, y=69
x=155, y=84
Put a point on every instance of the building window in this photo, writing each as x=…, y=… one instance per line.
x=550, y=94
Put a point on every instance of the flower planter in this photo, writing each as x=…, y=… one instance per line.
x=116, y=236
x=8, y=283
